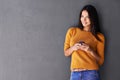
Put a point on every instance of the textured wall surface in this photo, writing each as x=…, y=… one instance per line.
x=32, y=35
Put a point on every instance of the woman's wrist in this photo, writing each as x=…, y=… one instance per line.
x=70, y=50
x=93, y=53
x=89, y=50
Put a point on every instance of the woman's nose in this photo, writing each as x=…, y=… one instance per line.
x=84, y=19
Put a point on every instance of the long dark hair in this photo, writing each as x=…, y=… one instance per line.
x=93, y=15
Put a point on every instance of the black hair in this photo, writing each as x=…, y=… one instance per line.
x=93, y=15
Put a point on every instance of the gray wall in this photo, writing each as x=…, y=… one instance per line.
x=32, y=36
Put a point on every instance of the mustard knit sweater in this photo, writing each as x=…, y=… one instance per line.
x=79, y=58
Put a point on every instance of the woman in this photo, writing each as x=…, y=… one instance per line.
x=85, y=45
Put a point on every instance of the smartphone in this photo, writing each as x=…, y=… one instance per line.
x=81, y=42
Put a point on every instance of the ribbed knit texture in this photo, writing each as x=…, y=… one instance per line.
x=79, y=58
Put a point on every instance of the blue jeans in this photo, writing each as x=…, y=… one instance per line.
x=85, y=75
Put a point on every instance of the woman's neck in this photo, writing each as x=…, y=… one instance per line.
x=86, y=28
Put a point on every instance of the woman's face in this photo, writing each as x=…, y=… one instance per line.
x=85, y=20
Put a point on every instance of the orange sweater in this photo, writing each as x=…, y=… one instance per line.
x=79, y=58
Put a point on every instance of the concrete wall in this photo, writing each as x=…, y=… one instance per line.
x=32, y=35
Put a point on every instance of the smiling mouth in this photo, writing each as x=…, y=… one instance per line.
x=85, y=23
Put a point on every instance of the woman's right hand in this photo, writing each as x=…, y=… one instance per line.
x=69, y=51
x=76, y=46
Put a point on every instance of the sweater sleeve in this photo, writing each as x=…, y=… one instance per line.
x=68, y=38
x=100, y=48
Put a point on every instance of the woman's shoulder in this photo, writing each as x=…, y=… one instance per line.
x=71, y=29
x=101, y=36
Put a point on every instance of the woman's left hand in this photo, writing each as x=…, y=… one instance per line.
x=85, y=47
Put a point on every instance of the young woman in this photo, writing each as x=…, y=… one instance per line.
x=85, y=45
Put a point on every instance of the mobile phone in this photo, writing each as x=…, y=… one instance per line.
x=81, y=42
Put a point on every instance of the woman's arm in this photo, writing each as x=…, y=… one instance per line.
x=70, y=50
x=93, y=53
x=87, y=49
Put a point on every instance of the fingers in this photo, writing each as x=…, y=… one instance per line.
x=84, y=47
x=78, y=46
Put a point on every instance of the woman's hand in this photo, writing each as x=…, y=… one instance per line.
x=82, y=46
x=76, y=46
x=85, y=47
x=69, y=51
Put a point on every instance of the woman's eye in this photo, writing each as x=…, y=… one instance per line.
x=87, y=16
x=82, y=16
